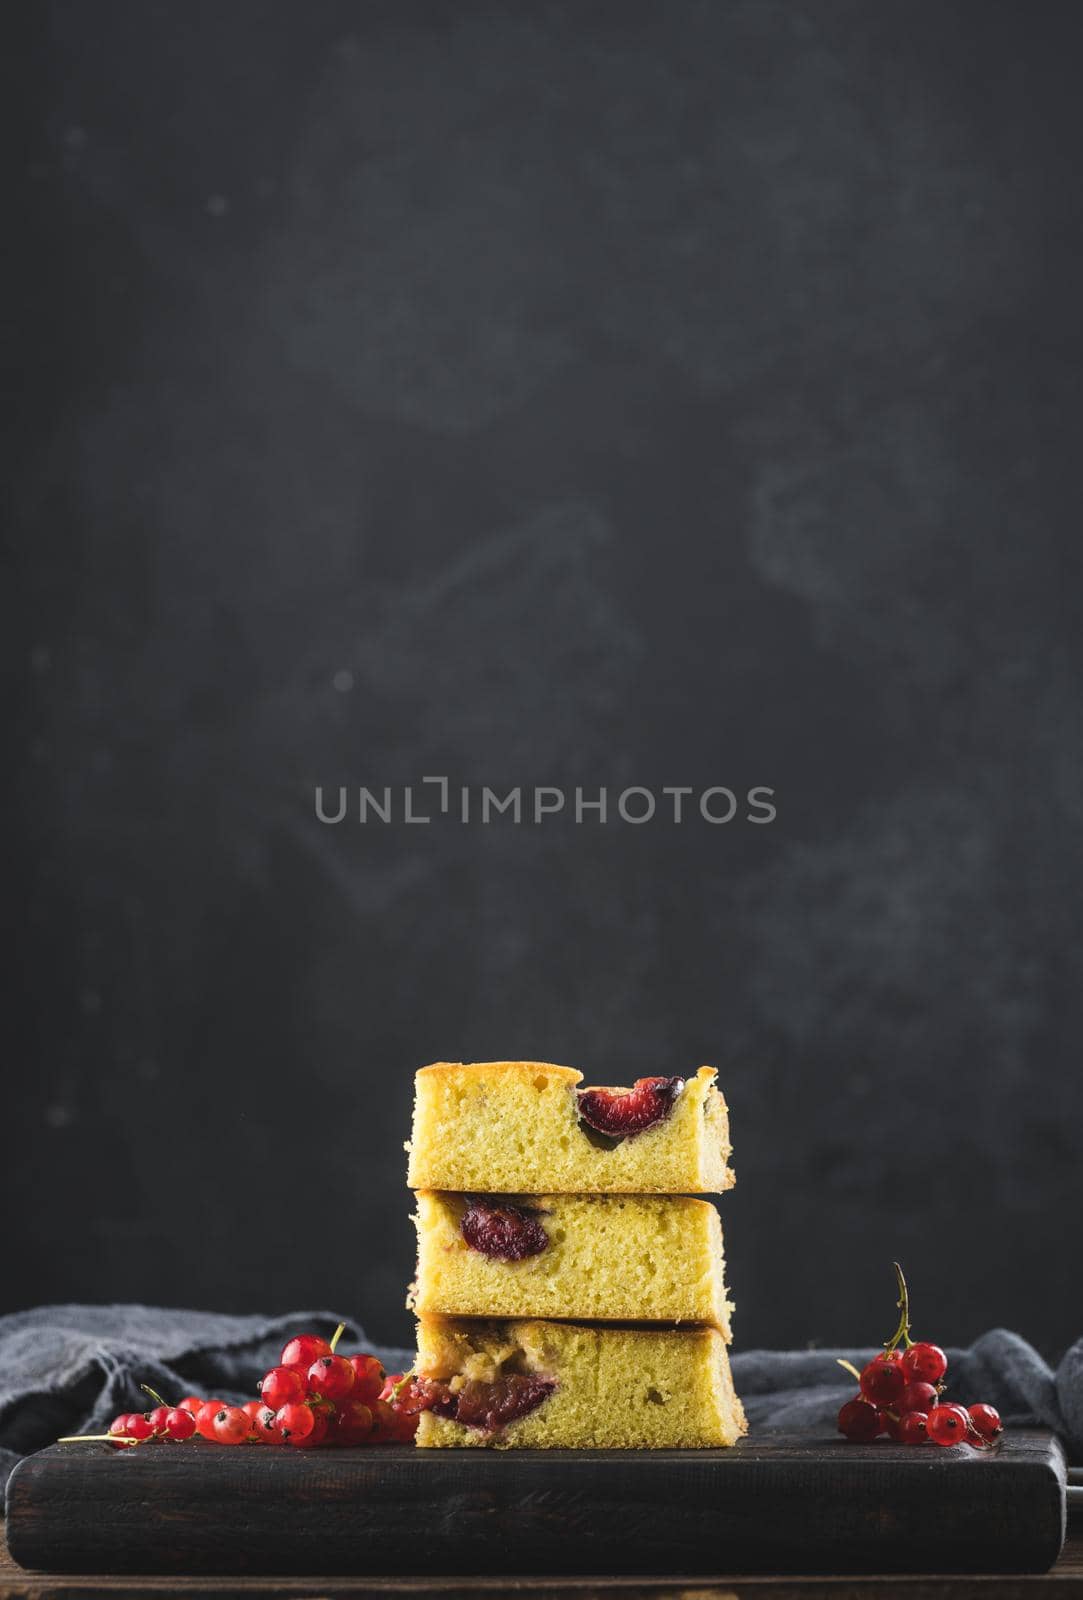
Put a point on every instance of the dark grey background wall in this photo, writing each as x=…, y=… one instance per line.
x=547, y=394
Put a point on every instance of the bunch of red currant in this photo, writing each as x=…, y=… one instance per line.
x=900, y=1395
x=313, y=1396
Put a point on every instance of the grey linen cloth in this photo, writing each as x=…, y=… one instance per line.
x=801, y=1390
x=70, y=1369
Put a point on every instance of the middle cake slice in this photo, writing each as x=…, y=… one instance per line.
x=583, y=1258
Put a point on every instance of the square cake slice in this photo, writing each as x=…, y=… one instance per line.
x=527, y=1127
x=561, y=1385
x=586, y=1258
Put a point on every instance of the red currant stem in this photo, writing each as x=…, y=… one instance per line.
x=337, y=1335
x=407, y=1376
x=902, y=1332
x=847, y=1366
x=146, y=1388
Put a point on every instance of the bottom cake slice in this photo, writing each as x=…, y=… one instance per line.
x=564, y=1385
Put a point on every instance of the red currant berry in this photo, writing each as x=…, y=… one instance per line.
x=917, y=1396
x=948, y=1424
x=385, y=1424
x=294, y=1421
x=231, y=1425
x=266, y=1427
x=925, y=1361
x=304, y=1350
x=331, y=1376
x=399, y=1429
x=205, y=1417
x=883, y=1380
x=407, y=1425
x=352, y=1424
x=858, y=1420
x=192, y=1403
x=179, y=1424
x=368, y=1379
x=889, y=1424
x=985, y=1420
x=913, y=1427
x=320, y=1425
x=118, y=1433
x=281, y=1386
x=138, y=1426
x=157, y=1417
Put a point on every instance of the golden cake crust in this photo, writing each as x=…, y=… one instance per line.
x=480, y=1070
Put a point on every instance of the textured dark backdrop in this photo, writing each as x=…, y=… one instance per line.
x=547, y=393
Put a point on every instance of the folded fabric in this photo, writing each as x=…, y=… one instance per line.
x=802, y=1390
x=71, y=1369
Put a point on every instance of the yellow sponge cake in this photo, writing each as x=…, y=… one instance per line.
x=517, y=1127
x=607, y=1258
x=560, y=1385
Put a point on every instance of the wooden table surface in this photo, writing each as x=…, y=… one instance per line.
x=1066, y=1579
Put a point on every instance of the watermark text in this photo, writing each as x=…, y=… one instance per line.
x=434, y=799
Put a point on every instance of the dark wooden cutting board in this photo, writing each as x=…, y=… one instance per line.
x=778, y=1503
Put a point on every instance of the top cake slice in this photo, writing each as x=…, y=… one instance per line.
x=527, y=1127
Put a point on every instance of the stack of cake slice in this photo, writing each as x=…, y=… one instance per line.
x=569, y=1290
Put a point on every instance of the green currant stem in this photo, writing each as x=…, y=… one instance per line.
x=155, y=1396
x=902, y=1332
x=404, y=1380
x=849, y=1367
x=337, y=1335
